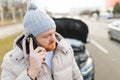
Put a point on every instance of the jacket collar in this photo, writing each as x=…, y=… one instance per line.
x=62, y=45
x=18, y=49
x=19, y=45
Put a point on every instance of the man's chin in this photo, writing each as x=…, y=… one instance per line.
x=50, y=48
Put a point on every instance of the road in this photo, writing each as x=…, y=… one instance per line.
x=105, y=52
x=10, y=30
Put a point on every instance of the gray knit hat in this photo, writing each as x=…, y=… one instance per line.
x=37, y=22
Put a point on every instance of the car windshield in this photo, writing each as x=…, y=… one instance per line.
x=74, y=42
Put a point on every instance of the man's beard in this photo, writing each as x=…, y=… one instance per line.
x=51, y=46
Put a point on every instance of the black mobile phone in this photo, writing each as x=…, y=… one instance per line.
x=35, y=43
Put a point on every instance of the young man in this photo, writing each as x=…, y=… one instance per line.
x=52, y=60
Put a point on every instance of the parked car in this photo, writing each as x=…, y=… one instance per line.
x=114, y=30
x=75, y=33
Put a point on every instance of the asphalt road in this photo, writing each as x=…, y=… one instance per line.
x=105, y=52
x=9, y=30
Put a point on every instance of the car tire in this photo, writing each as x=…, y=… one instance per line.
x=93, y=78
x=110, y=35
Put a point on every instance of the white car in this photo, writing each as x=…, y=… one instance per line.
x=114, y=30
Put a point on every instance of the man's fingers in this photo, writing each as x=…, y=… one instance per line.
x=39, y=49
x=31, y=45
x=43, y=57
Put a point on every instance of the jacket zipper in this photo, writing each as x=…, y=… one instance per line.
x=52, y=78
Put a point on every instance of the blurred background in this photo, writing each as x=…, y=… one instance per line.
x=101, y=16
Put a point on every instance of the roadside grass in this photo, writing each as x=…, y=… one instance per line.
x=6, y=45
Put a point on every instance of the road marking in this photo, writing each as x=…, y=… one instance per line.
x=99, y=46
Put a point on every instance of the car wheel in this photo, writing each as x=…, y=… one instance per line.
x=92, y=79
x=110, y=35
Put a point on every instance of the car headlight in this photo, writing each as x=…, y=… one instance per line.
x=88, y=67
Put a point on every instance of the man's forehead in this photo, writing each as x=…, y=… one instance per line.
x=51, y=31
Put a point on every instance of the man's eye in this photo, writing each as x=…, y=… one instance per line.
x=46, y=36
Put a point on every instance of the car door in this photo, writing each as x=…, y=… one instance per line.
x=116, y=31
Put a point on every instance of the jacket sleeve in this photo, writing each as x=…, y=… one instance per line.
x=76, y=71
x=8, y=74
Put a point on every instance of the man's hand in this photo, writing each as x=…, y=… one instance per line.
x=36, y=57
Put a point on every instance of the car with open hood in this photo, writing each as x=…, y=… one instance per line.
x=75, y=33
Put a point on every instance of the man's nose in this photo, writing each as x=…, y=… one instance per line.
x=52, y=38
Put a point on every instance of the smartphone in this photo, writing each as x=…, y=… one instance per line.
x=35, y=43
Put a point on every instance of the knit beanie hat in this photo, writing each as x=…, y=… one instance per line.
x=37, y=22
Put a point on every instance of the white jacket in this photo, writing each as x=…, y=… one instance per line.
x=64, y=67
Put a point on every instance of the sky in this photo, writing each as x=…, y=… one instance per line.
x=65, y=5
